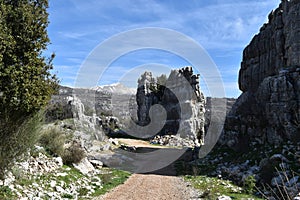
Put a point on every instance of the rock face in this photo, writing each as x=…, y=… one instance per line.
x=217, y=101
x=113, y=100
x=269, y=108
x=182, y=99
x=100, y=100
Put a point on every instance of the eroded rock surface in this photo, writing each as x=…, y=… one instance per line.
x=182, y=99
x=268, y=111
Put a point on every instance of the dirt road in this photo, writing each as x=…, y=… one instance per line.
x=151, y=187
x=138, y=143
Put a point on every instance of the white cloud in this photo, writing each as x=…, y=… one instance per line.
x=228, y=25
x=73, y=35
x=222, y=25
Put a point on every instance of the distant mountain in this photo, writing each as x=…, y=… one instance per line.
x=115, y=88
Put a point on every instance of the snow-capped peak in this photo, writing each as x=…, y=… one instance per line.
x=115, y=88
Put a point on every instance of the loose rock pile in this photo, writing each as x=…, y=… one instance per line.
x=172, y=141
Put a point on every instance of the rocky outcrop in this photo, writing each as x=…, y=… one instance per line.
x=182, y=99
x=105, y=100
x=209, y=101
x=269, y=108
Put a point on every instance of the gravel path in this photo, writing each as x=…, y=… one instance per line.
x=154, y=187
x=150, y=186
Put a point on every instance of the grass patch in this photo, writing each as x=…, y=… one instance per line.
x=72, y=175
x=211, y=188
x=110, y=179
x=25, y=181
x=6, y=193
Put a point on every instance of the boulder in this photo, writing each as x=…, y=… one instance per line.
x=84, y=166
x=224, y=197
x=96, y=163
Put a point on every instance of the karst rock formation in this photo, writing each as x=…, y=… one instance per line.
x=182, y=100
x=268, y=110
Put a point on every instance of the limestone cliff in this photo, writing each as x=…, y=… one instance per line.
x=269, y=108
x=182, y=99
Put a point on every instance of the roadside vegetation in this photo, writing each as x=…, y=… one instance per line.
x=93, y=185
x=212, y=187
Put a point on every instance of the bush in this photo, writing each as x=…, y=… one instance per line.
x=73, y=154
x=17, y=137
x=53, y=140
x=5, y=193
x=67, y=196
x=249, y=184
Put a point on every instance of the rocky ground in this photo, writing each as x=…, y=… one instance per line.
x=273, y=172
x=41, y=176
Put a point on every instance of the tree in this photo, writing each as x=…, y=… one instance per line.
x=26, y=84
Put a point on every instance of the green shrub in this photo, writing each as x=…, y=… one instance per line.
x=5, y=193
x=73, y=154
x=249, y=184
x=67, y=196
x=17, y=137
x=83, y=191
x=53, y=140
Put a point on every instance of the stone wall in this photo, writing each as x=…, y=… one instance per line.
x=181, y=98
x=269, y=108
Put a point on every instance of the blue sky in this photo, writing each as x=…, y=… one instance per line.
x=222, y=27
